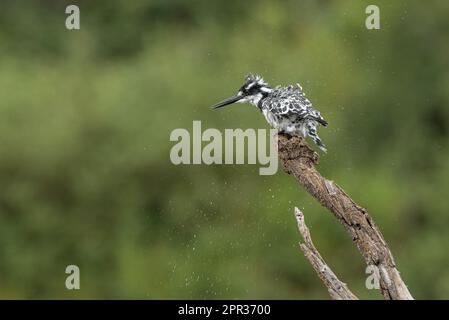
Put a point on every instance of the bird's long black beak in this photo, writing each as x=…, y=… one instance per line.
x=226, y=102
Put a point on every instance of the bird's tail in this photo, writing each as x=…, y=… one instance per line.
x=320, y=143
x=313, y=134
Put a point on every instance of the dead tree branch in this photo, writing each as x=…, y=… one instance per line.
x=299, y=160
x=337, y=289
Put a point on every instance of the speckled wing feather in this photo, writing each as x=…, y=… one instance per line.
x=291, y=101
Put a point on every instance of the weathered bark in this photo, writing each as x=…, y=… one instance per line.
x=299, y=160
x=337, y=289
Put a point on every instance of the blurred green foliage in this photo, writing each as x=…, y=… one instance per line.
x=85, y=119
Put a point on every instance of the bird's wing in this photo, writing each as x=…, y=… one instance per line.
x=291, y=100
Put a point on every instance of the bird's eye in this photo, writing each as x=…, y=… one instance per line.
x=253, y=89
x=248, y=89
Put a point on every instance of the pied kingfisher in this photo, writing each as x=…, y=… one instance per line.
x=285, y=108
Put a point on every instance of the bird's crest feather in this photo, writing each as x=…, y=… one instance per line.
x=255, y=78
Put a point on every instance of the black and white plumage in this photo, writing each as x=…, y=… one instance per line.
x=285, y=108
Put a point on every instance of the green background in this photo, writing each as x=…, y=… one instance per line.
x=85, y=119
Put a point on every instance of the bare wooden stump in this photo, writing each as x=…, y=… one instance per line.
x=299, y=160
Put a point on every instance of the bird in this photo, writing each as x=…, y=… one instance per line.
x=284, y=107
